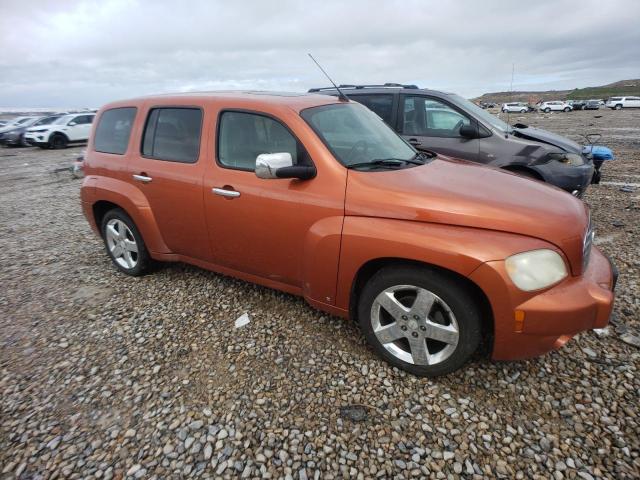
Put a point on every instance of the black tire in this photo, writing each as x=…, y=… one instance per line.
x=618, y=107
x=455, y=296
x=523, y=111
x=58, y=141
x=143, y=259
x=567, y=109
x=547, y=110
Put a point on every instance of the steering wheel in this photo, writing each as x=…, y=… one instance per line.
x=458, y=126
x=360, y=148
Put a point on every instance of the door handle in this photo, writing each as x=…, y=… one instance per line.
x=142, y=178
x=223, y=192
x=414, y=141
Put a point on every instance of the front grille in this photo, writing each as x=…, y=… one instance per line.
x=587, y=242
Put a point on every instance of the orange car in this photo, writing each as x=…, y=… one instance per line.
x=318, y=197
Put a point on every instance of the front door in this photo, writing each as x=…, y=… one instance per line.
x=261, y=227
x=431, y=124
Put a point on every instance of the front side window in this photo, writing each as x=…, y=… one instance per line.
x=431, y=118
x=242, y=136
x=355, y=135
x=173, y=134
x=113, y=130
x=381, y=105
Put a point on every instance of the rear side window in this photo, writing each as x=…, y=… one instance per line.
x=173, y=134
x=113, y=130
x=243, y=136
x=381, y=105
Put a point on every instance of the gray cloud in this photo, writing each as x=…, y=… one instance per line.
x=85, y=53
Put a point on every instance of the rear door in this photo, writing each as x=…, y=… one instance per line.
x=430, y=123
x=80, y=131
x=167, y=167
x=382, y=104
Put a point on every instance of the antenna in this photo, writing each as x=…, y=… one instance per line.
x=513, y=68
x=341, y=95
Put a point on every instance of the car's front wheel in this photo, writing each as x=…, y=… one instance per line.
x=124, y=243
x=523, y=111
x=58, y=141
x=567, y=109
x=618, y=107
x=547, y=110
x=419, y=320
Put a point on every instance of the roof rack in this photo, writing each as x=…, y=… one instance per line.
x=360, y=87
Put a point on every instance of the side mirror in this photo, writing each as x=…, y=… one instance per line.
x=71, y=124
x=468, y=131
x=280, y=165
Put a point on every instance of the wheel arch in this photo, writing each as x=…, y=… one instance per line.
x=370, y=268
x=523, y=169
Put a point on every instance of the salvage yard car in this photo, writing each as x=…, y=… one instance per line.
x=554, y=106
x=68, y=129
x=618, y=103
x=451, y=125
x=318, y=197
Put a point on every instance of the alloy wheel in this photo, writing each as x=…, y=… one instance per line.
x=121, y=243
x=414, y=325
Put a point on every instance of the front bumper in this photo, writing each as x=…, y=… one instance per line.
x=552, y=316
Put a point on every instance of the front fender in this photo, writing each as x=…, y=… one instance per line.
x=454, y=248
x=133, y=201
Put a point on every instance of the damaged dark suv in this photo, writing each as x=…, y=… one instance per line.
x=451, y=125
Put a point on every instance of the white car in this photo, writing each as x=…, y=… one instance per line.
x=515, y=107
x=555, y=106
x=617, y=103
x=68, y=129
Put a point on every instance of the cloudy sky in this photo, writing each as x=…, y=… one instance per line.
x=85, y=53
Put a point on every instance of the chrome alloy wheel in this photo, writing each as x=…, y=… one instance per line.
x=121, y=243
x=414, y=325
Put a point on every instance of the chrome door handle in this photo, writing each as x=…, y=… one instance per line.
x=226, y=193
x=142, y=178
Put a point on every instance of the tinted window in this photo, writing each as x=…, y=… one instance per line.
x=431, y=118
x=173, y=134
x=113, y=130
x=382, y=105
x=243, y=136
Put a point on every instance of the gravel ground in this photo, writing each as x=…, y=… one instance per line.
x=105, y=376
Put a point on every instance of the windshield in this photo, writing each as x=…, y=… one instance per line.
x=45, y=121
x=481, y=114
x=62, y=120
x=356, y=135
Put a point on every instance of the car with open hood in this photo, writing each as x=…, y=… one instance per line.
x=316, y=196
x=448, y=124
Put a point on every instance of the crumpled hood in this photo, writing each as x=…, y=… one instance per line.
x=544, y=136
x=456, y=192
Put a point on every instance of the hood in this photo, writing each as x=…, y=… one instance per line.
x=455, y=192
x=539, y=135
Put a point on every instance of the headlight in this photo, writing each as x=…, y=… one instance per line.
x=535, y=269
x=571, y=159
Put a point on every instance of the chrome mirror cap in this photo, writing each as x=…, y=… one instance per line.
x=267, y=164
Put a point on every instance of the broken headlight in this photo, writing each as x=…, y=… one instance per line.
x=570, y=159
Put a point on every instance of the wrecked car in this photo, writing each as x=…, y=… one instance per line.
x=316, y=196
x=449, y=124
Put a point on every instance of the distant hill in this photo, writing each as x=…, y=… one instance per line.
x=623, y=87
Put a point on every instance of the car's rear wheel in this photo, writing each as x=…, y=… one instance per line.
x=618, y=107
x=58, y=141
x=124, y=243
x=567, y=109
x=419, y=320
x=523, y=110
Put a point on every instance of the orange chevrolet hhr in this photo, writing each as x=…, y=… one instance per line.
x=317, y=197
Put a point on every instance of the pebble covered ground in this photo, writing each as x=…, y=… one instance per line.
x=106, y=376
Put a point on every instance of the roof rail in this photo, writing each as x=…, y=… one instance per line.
x=360, y=87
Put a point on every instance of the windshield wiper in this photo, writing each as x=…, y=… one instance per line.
x=385, y=162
